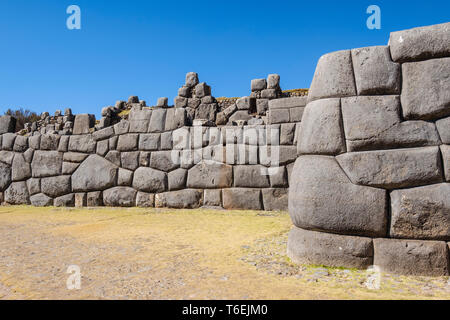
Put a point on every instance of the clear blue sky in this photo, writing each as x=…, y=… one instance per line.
x=145, y=48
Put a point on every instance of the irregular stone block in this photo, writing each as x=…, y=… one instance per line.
x=258, y=85
x=177, y=179
x=212, y=198
x=241, y=115
x=175, y=118
x=28, y=155
x=20, y=144
x=82, y=143
x=275, y=199
x=127, y=142
x=80, y=200
x=21, y=170
x=445, y=151
x=130, y=160
x=262, y=105
x=206, y=112
x=8, y=141
x=166, y=141
x=210, y=175
x=279, y=116
x=5, y=176
x=182, y=199
x=67, y=200
x=191, y=79
x=46, y=163
x=420, y=43
x=157, y=121
x=162, y=102
x=149, y=142
x=321, y=130
x=287, y=133
x=255, y=176
x=49, y=142
x=125, y=177
x=149, y=180
x=74, y=157
x=6, y=157
x=34, y=142
x=139, y=120
x=119, y=197
x=102, y=147
x=69, y=167
x=144, y=159
x=113, y=157
x=41, y=200
x=443, y=127
x=273, y=81
x=94, y=199
x=296, y=114
x=56, y=186
x=333, y=77
x=322, y=198
x=392, y=169
x=63, y=145
x=285, y=103
x=202, y=89
x=278, y=177
x=332, y=250
x=103, y=134
x=242, y=199
x=94, y=174
x=145, y=200
x=17, y=193
x=83, y=122
x=373, y=123
x=122, y=127
x=7, y=124
x=165, y=160
x=426, y=89
x=34, y=186
x=375, y=72
x=411, y=257
x=421, y=213
x=180, y=102
x=246, y=103
x=269, y=94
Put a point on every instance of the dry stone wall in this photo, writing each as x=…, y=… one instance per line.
x=371, y=183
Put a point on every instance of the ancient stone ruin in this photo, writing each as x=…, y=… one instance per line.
x=369, y=142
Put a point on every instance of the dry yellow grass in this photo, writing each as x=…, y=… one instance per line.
x=172, y=254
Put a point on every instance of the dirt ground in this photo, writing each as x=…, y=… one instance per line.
x=173, y=254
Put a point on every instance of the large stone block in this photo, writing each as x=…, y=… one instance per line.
x=421, y=43
x=392, y=169
x=122, y=127
x=119, y=197
x=5, y=176
x=183, y=199
x=286, y=103
x=125, y=177
x=165, y=160
x=82, y=143
x=258, y=84
x=177, y=179
x=252, y=176
x=83, y=122
x=7, y=157
x=130, y=160
x=421, y=213
x=127, y=142
x=21, y=170
x=279, y=116
x=322, y=198
x=176, y=118
x=373, y=123
x=210, y=175
x=212, y=198
x=206, y=112
x=8, y=141
x=103, y=134
x=34, y=186
x=321, y=130
x=157, y=121
x=411, y=257
x=375, y=72
x=46, y=163
x=7, y=124
x=242, y=199
x=49, y=141
x=149, y=180
x=443, y=127
x=94, y=174
x=41, y=200
x=332, y=250
x=114, y=157
x=94, y=199
x=426, y=89
x=275, y=199
x=67, y=200
x=145, y=200
x=17, y=193
x=333, y=77
x=139, y=120
x=74, y=157
x=21, y=144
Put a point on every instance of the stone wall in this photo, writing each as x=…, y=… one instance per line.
x=371, y=184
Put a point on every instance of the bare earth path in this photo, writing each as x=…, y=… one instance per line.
x=173, y=254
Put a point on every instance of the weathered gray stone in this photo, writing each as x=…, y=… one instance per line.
x=273, y=81
x=20, y=144
x=149, y=180
x=177, y=179
x=242, y=199
x=17, y=193
x=191, y=79
x=41, y=200
x=74, y=157
x=321, y=130
x=69, y=167
x=183, y=199
x=411, y=257
x=166, y=141
x=210, y=175
x=296, y=114
x=7, y=157
x=113, y=142
x=262, y=105
x=119, y=197
x=83, y=122
x=426, y=89
x=128, y=142
x=202, y=89
x=34, y=142
x=255, y=176
x=103, y=134
x=165, y=160
x=67, y=200
x=269, y=94
x=28, y=155
x=56, y=186
x=278, y=177
x=421, y=213
x=445, y=151
x=443, y=127
x=241, y=115
x=7, y=124
x=139, y=120
x=63, y=145
x=144, y=159
x=420, y=43
x=333, y=77
x=149, y=142
x=102, y=147
x=184, y=91
x=80, y=200
x=49, y=142
x=180, y=102
x=5, y=176
x=284, y=103
x=8, y=141
x=275, y=199
x=113, y=157
x=82, y=143
x=258, y=84
x=162, y=102
x=375, y=72
x=279, y=116
x=206, y=111
x=130, y=160
x=46, y=163
x=145, y=200
x=122, y=127
x=94, y=199
x=34, y=186
x=287, y=133
x=212, y=198
x=322, y=198
x=175, y=118
x=21, y=170
x=332, y=250
x=125, y=177
x=392, y=169
x=94, y=174
x=157, y=121
x=373, y=122
x=246, y=103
